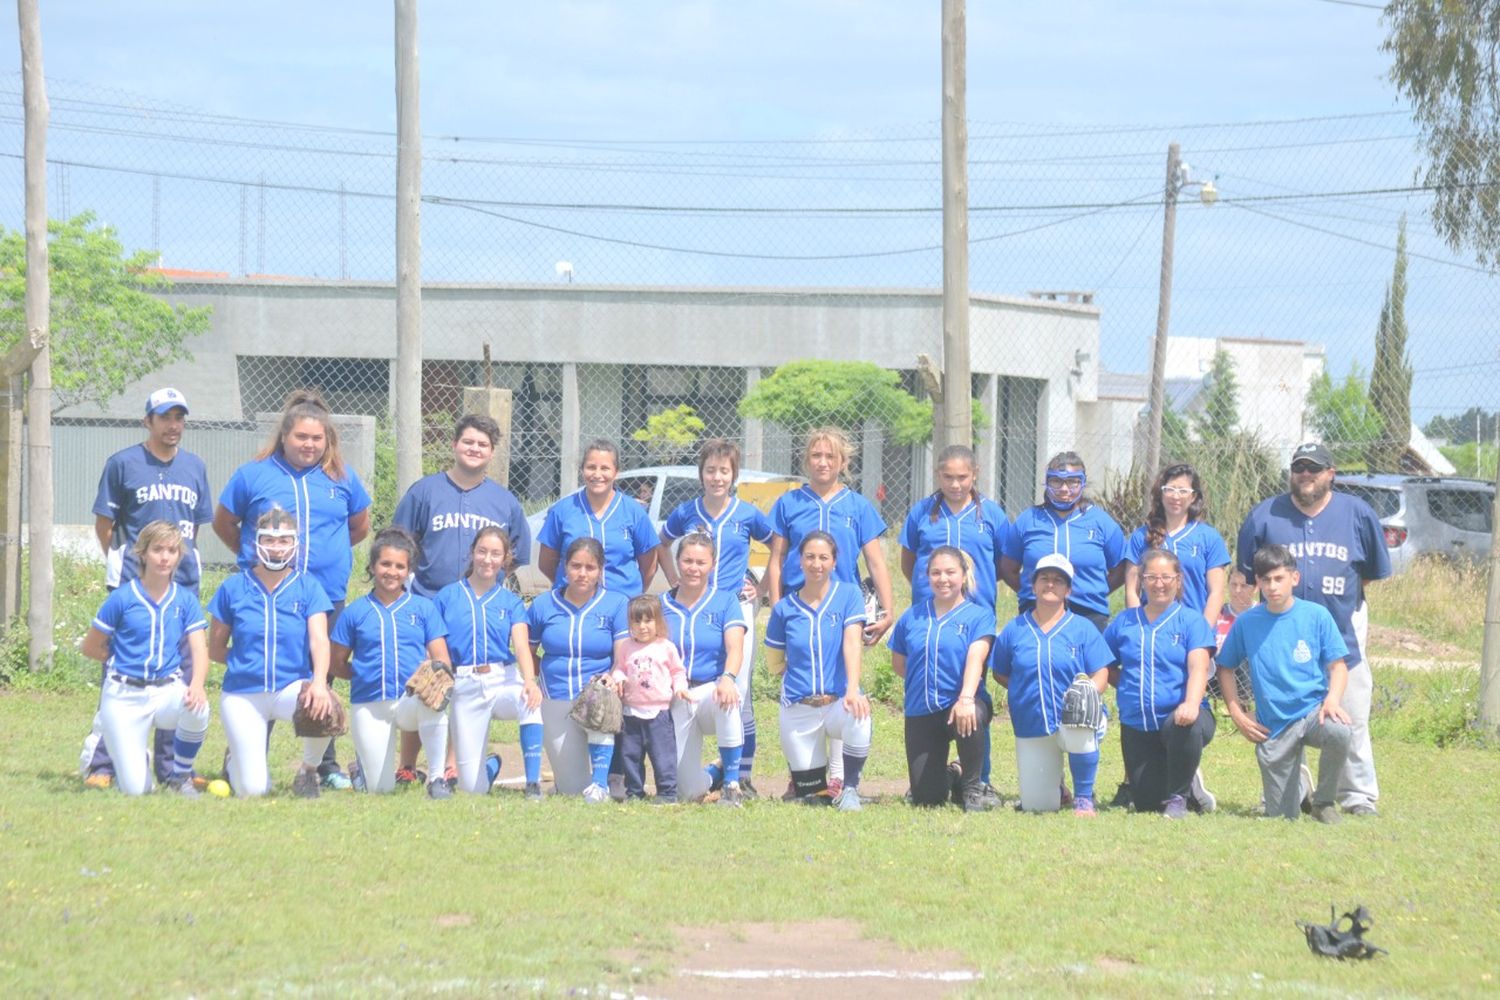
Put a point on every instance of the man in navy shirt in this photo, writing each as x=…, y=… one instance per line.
x=445, y=511
x=1339, y=546
x=152, y=481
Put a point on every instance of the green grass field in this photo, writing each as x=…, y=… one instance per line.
x=167, y=897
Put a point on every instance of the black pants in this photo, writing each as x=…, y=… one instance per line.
x=927, y=740
x=657, y=737
x=1160, y=763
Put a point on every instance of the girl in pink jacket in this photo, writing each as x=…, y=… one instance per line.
x=648, y=672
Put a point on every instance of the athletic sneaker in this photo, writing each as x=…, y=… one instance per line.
x=305, y=784
x=835, y=787
x=1327, y=812
x=732, y=795
x=99, y=779
x=182, y=784
x=405, y=776
x=199, y=781
x=356, y=776
x=747, y=790
x=491, y=769
x=1363, y=809
x=990, y=796
x=438, y=788
x=1200, y=796
x=955, y=783
x=848, y=800
x=1175, y=808
x=336, y=781
x=1083, y=805
x=617, y=787
x=533, y=791
x=1123, y=799
x=595, y=794
x=816, y=799
x=450, y=775
x=978, y=801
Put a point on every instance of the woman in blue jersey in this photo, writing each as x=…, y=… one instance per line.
x=573, y=630
x=270, y=630
x=939, y=648
x=1163, y=651
x=495, y=676
x=378, y=643
x=814, y=639
x=145, y=634
x=1037, y=655
x=1067, y=523
x=1176, y=524
x=619, y=524
x=708, y=628
x=731, y=524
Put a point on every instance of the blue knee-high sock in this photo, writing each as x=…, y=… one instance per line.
x=183, y=753
x=730, y=761
x=600, y=755
x=984, y=769
x=747, y=752
x=852, y=766
x=1083, y=767
x=531, y=751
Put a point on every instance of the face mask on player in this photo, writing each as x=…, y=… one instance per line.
x=284, y=558
x=1058, y=501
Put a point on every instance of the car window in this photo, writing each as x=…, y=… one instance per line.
x=1467, y=510
x=1386, y=502
x=638, y=488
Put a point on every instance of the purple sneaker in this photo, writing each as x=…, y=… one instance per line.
x=1175, y=808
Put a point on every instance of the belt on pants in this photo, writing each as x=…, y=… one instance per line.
x=141, y=682
x=818, y=700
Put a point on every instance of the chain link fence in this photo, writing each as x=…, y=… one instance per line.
x=616, y=281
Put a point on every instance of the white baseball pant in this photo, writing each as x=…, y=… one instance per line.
x=567, y=745
x=1039, y=768
x=804, y=729
x=1357, y=784
x=374, y=724
x=245, y=715
x=128, y=715
x=477, y=700
x=692, y=720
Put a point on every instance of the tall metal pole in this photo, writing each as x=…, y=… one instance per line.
x=408, y=251
x=1163, y=315
x=1489, y=660
x=955, y=424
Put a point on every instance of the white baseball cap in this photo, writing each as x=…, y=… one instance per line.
x=166, y=399
x=1056, y=561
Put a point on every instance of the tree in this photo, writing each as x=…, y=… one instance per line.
x=1446, y=62
x=1390, y=379
x=1473, y=424
x=672, y=432
x=1221, y=400
x=1341, y=416
x=108, y=328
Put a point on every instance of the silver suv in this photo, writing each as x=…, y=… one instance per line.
x=1427, y=515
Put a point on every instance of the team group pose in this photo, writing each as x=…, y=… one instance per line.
x=1284, y=626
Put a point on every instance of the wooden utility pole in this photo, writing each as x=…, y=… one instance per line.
x=495, y=404
x=1489, y=661
x=954, y=426
x=1163, y=314
x=408, y=250
x=38, y=306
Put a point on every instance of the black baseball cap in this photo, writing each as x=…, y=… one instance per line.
x=1315, y=452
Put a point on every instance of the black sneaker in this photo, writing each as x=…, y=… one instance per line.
x=533, y=791
x=183, y=785
x=1122, y=798
x=437, y=788
x=747, y=790
x=990, y=796
x=955, y=783
x=976, y=801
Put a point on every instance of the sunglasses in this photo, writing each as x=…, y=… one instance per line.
x=1308, y=467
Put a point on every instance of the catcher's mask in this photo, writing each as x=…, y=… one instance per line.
x=280, y=560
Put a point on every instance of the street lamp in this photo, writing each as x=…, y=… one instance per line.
x=1178, y=179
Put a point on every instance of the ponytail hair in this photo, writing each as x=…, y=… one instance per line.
x=954, y=453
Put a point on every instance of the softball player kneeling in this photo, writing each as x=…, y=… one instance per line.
x=378, y=643
x=814, y=639
x=140, y=634
x=495, y=677
x=270, y=630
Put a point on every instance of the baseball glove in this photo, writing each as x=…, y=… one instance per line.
x=597, y=707
x=432, y=684
x=1081, y=704
x=335, y=723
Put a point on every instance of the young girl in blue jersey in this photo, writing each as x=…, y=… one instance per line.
x=814, y=639
x=957, y=515
x=495, y=676
x=378, y=643
x=573, y=630
x=709, y=629
x=730, y=524
x=270, y=630
x=939, y=648
x=1176, y=525
x=620, y=525
x=1067, y=523
x=145, y=633
x=1036, y=657
x=1163, y=651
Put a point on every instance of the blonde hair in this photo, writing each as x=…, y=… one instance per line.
x=308, y=404
x=836, y=439
x=964, y=560
x=156, y=532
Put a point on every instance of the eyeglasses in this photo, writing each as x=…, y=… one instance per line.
x=1064, y=484
x=1307, y=469
x=1177, y=491
x=1159, y=578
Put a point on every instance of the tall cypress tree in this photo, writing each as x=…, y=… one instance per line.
x=1390, y=380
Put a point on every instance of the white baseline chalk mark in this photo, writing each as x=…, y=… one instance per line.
x=960, y=976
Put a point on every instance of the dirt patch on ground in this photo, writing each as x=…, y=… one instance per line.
x=824, y=958
x=1403, y=647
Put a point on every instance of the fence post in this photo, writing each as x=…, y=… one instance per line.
x=957, y=411
x=1489, y=662
x=495, y=404
x=408, y=250
x=12, y=403
x=1163, y=315
x=568, y=445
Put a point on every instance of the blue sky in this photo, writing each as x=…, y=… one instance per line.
x=628, y=73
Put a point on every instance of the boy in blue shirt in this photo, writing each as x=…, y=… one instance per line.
x=1297, y=673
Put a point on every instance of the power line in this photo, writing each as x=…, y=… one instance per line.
x=1363, y=242
x=1354, y=3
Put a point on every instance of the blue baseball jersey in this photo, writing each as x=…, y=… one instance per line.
x=267, y=629
x=624, y=530
x=1153, y=659
x=1041, y=665
x=479, y=625
x=980, y=529
x=1197, y=546
x=813, y=639
x=321, y=505
x=847, y=516
x=1335, y=550
x=1088, y=536
x=137, y=488
x=387, y=643
x=1289, y=655
x=444, y=517
x=697, y=630
x=578, y=642
x=936, y=648
x=147, y=639
x=732, y=532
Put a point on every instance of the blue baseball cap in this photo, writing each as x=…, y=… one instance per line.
x=163, y=400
